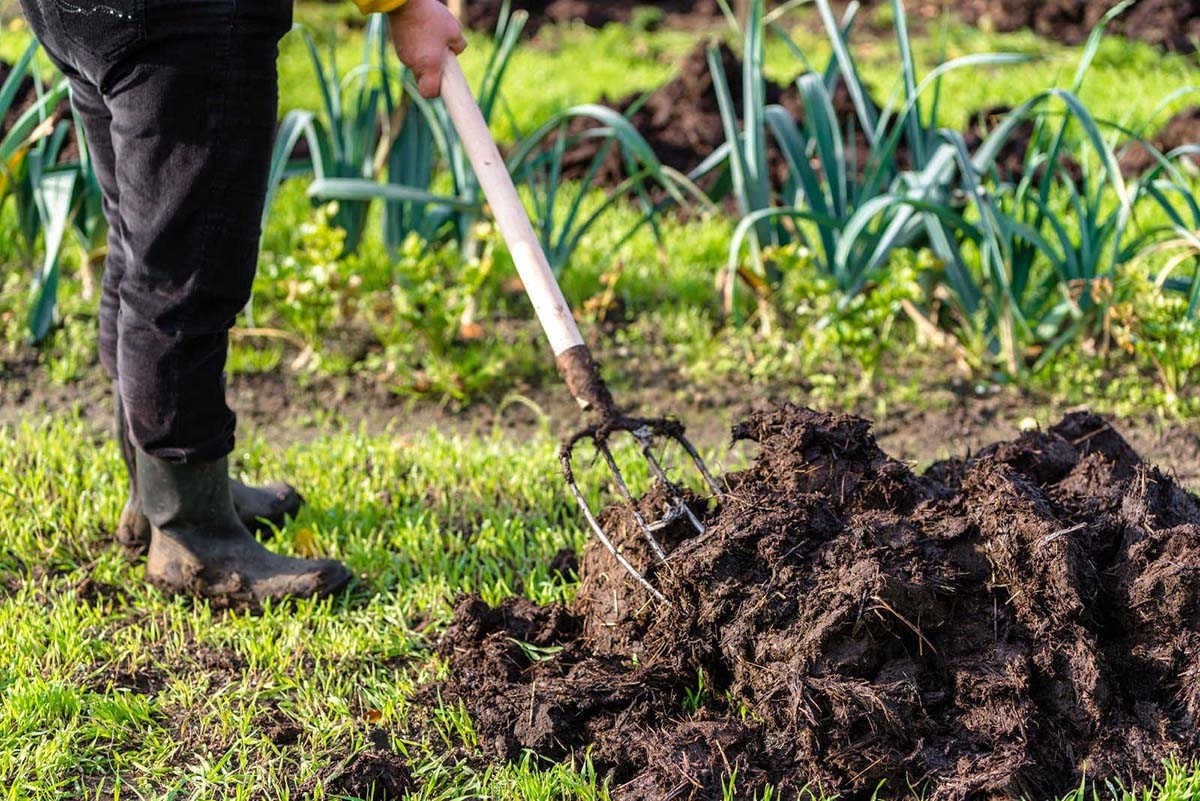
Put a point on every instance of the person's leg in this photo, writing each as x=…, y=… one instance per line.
x=190, y=87
x=89, y=108
x=260, y=508
x=194, y=119
x=133, y=530
x=194, y=113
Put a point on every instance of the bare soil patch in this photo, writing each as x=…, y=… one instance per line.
x=286, y=408
x=376, y=772
x=1002, y=625
x=1173, y=25
x=1182, y=130
x=278, y=727
x=140, y=680
x=1170, y=24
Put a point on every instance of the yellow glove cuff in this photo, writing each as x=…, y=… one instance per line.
x=378, y=6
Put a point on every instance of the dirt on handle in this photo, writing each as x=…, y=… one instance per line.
x=1000, y=626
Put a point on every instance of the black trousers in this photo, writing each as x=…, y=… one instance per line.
x=179, y=101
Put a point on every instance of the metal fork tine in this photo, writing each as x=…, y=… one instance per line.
x=599, y=531
x=644, y=438
x=644, y=432
x=628, y=496
x=700, y=465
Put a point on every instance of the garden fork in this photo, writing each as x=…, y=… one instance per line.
x=574, y=360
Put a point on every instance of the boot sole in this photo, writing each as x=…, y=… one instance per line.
x=243, y=601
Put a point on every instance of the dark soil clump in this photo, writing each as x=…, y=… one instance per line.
x=681, y=120
x=277, y=727
x=140, y=680
x=1170, y=24
x=1000, y=626
x=96, y=593
x=375, y=773
x=565, y=564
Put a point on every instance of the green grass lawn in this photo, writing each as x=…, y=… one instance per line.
x=110, y=690
x=104, y=682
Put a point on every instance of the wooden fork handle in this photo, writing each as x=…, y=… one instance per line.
x=574, y=360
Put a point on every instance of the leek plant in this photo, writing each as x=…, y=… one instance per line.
x=1179, y=240
x=507, y=36
x=374, y=126
x=1047, y=250
x=343, y=142
x=395, y=135
x=1047, y=245
x=52, y=199
x=67, y=199
x=561, y=218
x=424, y=134
x=1180, y=246
x=850, y=212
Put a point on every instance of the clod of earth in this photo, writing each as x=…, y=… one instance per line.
x=1002, y=625
x=681, y=120
x=375, y=773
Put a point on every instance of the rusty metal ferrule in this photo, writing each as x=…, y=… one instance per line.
x=582, y=376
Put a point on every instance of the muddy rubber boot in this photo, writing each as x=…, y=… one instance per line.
x=261, y=509
x=199, y=547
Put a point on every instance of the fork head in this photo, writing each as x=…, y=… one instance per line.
x=645, y=432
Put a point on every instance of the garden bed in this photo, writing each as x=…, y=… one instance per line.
x=1004, y=625
x=1170, y=24
x=681, y=120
